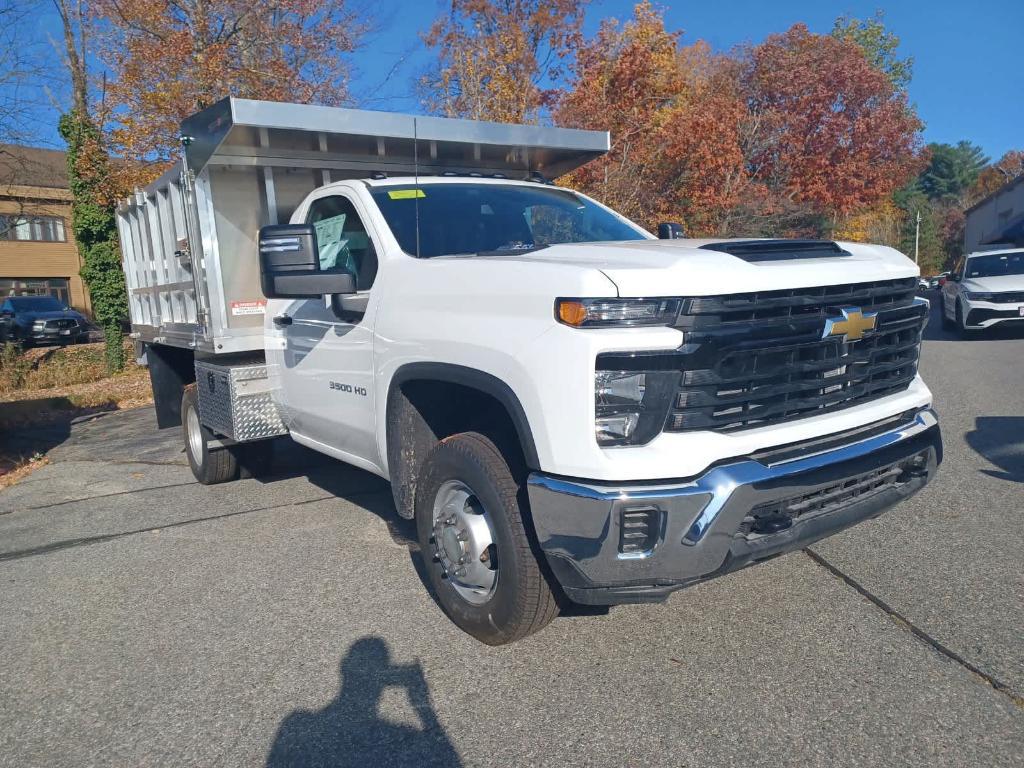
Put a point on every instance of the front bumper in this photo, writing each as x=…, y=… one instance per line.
x=733, y=515
x=54, y=335
x=985, y=314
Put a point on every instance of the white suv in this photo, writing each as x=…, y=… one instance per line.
x=987, y=289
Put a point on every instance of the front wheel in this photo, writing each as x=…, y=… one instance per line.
x=469, y=521
x=948, y=324
x=210, y=465
x=961, y=323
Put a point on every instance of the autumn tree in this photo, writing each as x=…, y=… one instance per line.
x=90, y=178
x=170, y=58
x=500, y=59
x=1008, y=168
x=828, y=128
x=879, y=46
x=788, y=137
x=673, y=113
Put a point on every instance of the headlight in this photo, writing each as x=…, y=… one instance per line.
x=38, y=325
x=602, y=313
x=630, y=405
x=979, y=296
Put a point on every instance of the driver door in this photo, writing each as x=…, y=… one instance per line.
x=325, y=362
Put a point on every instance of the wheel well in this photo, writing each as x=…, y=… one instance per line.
x=422, y=412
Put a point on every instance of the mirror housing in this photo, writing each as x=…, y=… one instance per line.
x=670, y=230
x=290, y=265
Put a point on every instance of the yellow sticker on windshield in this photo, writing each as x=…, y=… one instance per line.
x=405, y=194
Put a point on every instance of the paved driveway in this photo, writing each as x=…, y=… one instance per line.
x=147, y=620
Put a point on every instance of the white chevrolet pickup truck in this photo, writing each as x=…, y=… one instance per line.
x=571, y=409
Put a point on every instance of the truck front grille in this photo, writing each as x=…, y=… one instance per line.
x=62, y=324
x=760, y=359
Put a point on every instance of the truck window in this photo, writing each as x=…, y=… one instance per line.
x=457, y=218
x=342, y=239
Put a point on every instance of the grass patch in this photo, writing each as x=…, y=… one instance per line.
x=52, y=367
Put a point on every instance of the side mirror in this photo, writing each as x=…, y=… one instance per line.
x=670, y=230
x=955, y=278
x=290, y=265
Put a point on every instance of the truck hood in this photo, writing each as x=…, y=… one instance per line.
x=994, y=284
x=683, y=268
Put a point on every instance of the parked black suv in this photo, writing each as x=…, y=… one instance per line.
x=39, y=320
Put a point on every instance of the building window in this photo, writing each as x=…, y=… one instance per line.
x=36, y=286
x=42, y=229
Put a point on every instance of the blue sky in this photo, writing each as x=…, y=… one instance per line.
x=967, y=56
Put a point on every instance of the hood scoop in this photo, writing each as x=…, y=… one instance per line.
x=778, y=250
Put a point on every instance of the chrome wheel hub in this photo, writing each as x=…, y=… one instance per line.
x=195, y=435
x=464, y=542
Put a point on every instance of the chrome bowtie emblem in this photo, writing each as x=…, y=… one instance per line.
x=853, y=325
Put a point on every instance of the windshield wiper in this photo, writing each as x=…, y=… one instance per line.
x=508, y=251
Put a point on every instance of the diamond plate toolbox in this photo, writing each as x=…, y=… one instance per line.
x=235, y=399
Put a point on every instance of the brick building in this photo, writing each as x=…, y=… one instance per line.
x=38, y=254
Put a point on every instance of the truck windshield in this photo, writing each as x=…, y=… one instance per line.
x=487, y=218
x=995, y=265
x=33, y=304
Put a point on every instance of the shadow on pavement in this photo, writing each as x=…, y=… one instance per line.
x=349, y=731
x=19, y=437
x=999, y=439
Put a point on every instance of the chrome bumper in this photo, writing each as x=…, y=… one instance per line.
x=703, y=524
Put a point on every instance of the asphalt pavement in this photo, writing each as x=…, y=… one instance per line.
x=148, y=620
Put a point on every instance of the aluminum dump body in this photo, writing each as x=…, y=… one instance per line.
x=189, y=239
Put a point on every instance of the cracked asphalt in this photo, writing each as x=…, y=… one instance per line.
x=148, y=620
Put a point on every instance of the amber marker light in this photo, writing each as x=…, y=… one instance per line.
x=572, y=312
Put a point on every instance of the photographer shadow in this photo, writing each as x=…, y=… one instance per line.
x=349, y=730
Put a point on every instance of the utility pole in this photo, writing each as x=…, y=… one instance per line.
x=917, y=235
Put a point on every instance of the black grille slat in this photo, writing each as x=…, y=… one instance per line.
x=756, y=372
x=702, y=311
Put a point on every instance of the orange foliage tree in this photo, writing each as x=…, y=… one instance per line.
x=673, y=118
x=831, y=129
x=786, y=137
x=497, y=59
x=1009, y=167
x=170, y=58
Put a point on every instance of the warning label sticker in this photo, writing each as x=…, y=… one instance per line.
x=255, y=307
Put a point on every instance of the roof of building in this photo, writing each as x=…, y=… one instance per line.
x=32, y=167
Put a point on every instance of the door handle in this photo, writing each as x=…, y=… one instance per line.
x=283, y=320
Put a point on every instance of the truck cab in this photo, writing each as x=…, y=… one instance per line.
x=569, y=408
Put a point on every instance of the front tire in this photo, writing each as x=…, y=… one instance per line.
x=209, y=465
x=947, y=324
x=961, y=328
x=477, y=553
